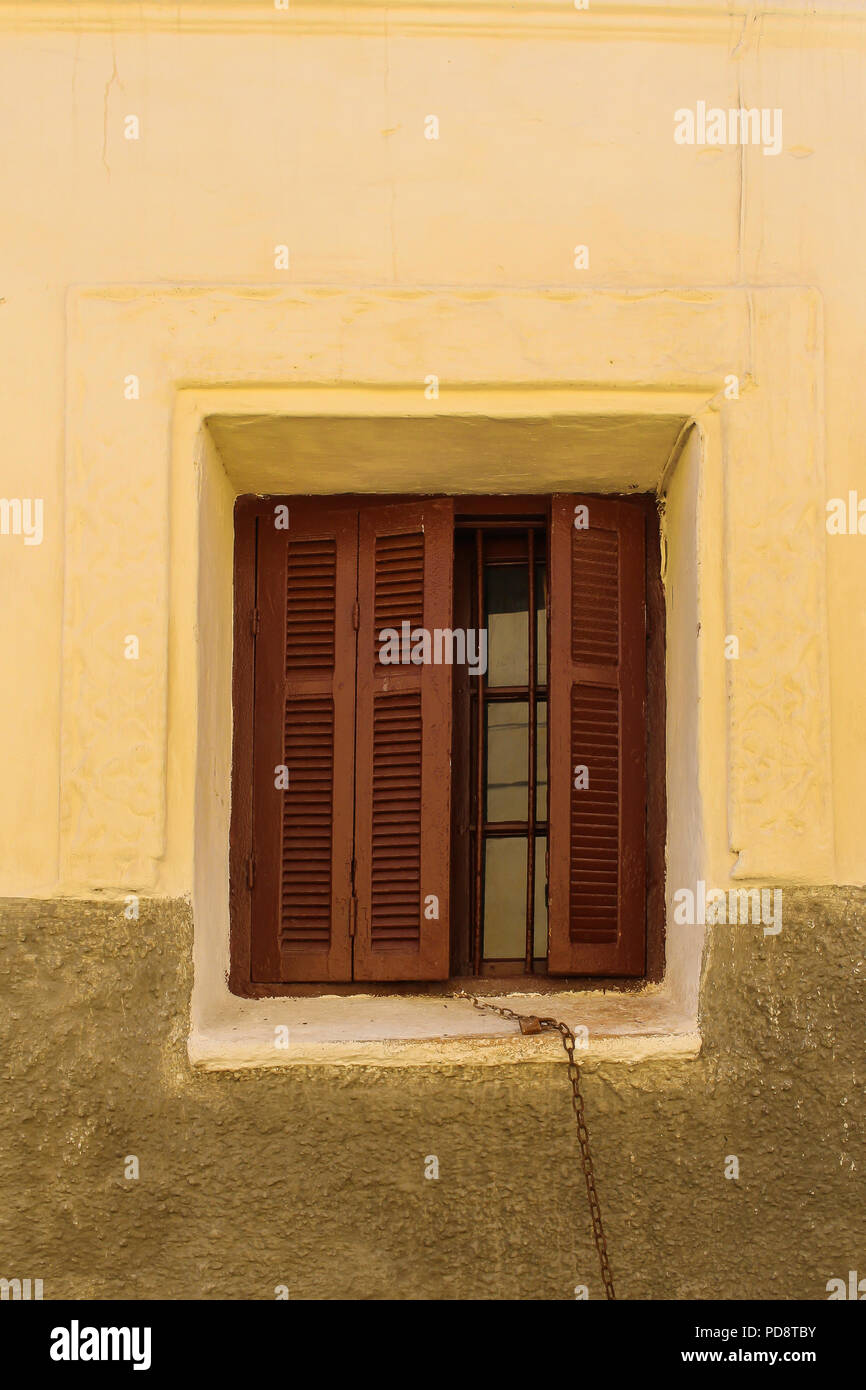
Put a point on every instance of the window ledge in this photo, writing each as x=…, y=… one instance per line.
x=396, y=1031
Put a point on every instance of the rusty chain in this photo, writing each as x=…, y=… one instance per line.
x=531, y=1023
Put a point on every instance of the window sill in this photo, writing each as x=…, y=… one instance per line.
x=395, y=1031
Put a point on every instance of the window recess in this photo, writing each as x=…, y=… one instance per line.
x=501, y=837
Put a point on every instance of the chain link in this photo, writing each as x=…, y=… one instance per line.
x=531, y=1023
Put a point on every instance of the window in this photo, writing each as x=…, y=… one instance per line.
x=446, y=750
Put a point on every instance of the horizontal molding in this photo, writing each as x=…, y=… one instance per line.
x=802, y=21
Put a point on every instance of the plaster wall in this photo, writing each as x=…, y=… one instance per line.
x=533, y=117
x=313, y=1177
x=155, y=257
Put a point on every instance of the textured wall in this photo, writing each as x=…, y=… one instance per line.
x=314, y=1178
x=261, y=128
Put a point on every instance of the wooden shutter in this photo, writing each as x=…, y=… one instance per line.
x=597, y=847
x=403, y=749
x=304, y=720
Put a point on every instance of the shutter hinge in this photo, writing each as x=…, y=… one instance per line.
x=251, y=871
x=356, y=615
x=255, y=621
x=353, y=914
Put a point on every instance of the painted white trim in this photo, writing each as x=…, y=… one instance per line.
x=418, y=1033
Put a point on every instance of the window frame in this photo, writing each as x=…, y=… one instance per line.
x=472, y=701
x=466, y=508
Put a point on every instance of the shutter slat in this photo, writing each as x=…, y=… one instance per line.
x=305, y=676
x=597, y=834
x=397, y=854
x=307, y=819
x=311, y=580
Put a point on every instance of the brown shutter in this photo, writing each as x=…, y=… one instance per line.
x=304, y=718
x=597, y=894
x=403, y=773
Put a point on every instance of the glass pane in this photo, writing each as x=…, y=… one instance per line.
x=540, y=922
x=541, y=625
x=541, y=761
x=507, y=761
x=506, y=603
x=504, y=899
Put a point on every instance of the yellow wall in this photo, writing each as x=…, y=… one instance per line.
x=310, y=131
x=411, y=257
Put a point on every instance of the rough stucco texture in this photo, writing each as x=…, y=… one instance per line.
x=314, y=1178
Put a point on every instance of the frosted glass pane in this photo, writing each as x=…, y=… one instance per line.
x=540, y=925
x=507, y=608
x=507, y=761
x=505, y=899
x=540, y=626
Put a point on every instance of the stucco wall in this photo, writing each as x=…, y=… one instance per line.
x=409, y=256
x=556, y=128
x=315, y=1178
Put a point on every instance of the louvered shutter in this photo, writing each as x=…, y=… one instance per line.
x=597, y=846
x=403, y=747
x=304, y=720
